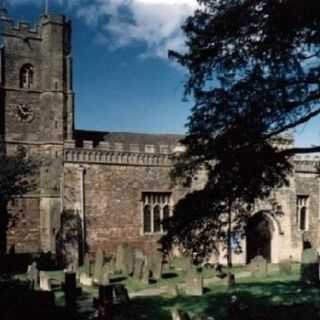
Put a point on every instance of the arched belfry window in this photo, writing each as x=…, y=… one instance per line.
x=26, y=76
x=156, y=208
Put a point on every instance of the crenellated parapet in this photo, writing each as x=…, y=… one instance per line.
x=307, y=163
x=12, y=28
x=116, y=153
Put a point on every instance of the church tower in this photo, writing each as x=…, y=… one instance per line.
x=36, y=112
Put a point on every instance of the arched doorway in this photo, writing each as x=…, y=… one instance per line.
x=259, y=237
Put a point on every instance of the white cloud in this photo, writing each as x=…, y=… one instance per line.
x=121, y=23
x=155, y=23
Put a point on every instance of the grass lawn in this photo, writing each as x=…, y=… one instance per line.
x=276, y=296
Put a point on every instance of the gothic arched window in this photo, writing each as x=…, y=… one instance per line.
x=26, y=76
x=156, y=208
x=156, y=219
x=303, y=218
x=302, y=212
x=146, y=219
x=166, y=214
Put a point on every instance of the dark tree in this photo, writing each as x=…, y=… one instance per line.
x=16, y=179
x=253, y=73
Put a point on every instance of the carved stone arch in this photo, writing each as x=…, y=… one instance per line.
x=263, y=234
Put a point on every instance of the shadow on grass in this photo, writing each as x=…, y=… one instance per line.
x=169, y=275
x=255, y=300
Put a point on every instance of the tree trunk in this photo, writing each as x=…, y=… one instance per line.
x=229, y=237
x=3, y=227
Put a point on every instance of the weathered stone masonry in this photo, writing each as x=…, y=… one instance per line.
x=109, y=180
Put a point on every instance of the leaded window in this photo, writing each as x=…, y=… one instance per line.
x=156, y=208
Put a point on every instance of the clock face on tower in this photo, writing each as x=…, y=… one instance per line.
x=23, y=112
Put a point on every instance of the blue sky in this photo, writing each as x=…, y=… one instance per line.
x=122, y=77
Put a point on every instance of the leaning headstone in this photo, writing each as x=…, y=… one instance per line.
x=33, y=275
x=156, y=264
x=310, y=266
x=285, y=267
x=97, y=272
x=258, y=266
x=194, y=282
x=45, y=283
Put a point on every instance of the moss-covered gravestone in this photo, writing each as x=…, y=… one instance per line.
x=310, y=266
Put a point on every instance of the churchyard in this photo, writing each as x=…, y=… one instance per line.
x=133, y=286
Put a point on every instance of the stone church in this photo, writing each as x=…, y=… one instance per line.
x=116, y=184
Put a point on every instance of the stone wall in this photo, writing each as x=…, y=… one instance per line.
x=113, y=201
x=24, y=233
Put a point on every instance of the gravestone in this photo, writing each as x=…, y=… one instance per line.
x=98, y=265
x=121, y=295
x=70, y=290
x=125, y=259
x=310, y=266
x=85, y=280
x=33, y=275
x=173, y=290
x=105, y=275
x=156, y=264
x=105, y=302
x=86, y=264
x=231, y=280
x=258, y=266
x=146, y=271
x=138, y=268
x=45, y=283
x=194, y=282
x=285, y=267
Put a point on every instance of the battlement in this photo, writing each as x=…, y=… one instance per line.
x=12, y=28
x=118, y=153
x=25, y=28
x=307, y=163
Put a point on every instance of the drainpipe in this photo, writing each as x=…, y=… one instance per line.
x=82, y=211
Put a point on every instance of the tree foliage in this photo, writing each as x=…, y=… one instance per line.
x=254, y=73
